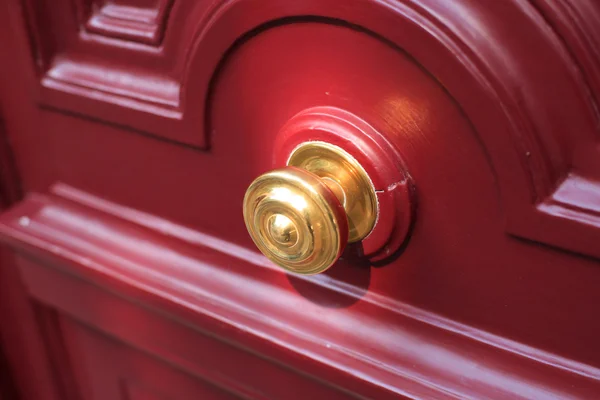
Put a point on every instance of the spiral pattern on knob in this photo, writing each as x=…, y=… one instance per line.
x=296, y=220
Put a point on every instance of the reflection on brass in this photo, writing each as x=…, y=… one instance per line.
x=346, y=178
x=301, y=216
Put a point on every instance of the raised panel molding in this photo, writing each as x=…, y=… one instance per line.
x=569, y=215
x=142, y=21
x=576, y=22
x=113, y=369
x=109, y=61
x=538, y=136
x=156, y=273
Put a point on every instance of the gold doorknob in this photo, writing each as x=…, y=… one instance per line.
x=301, y=216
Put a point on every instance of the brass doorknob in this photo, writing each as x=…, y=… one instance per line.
x=301, y=216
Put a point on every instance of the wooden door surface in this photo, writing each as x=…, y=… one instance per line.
x=130, y=130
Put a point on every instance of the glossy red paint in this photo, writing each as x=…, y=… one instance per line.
x=394, y=188
x=127, y=263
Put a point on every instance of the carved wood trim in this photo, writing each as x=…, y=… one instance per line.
x=143, y=22
x=535, y=140
x=106, y=61
x=534, y=143
x=575, y=22
x=182, y=276
x=122, y=367
x=195, y=342
x=570, y=215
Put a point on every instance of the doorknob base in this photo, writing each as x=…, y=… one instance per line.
x=346, y=178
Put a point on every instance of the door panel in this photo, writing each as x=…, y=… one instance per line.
x=137, y=126
x=113, y=370
x=143, y=280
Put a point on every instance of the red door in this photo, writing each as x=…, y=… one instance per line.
x=131, y=130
